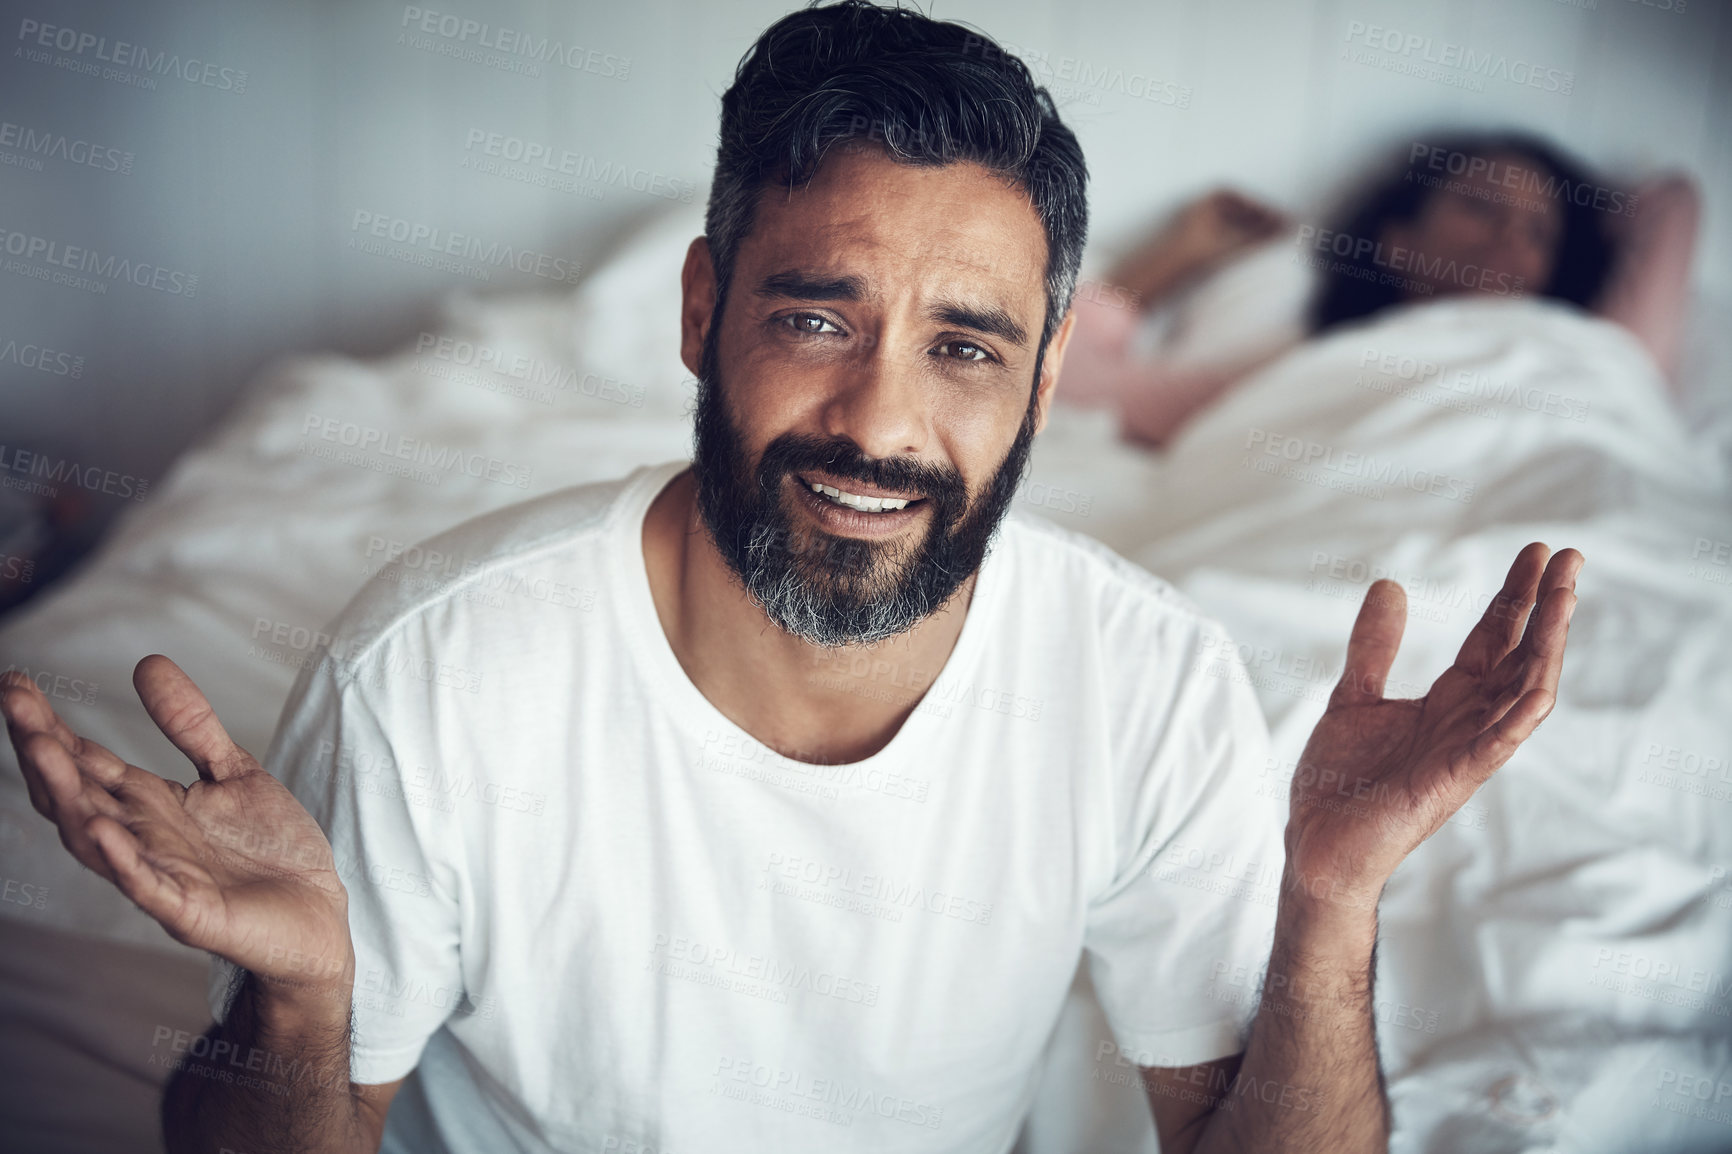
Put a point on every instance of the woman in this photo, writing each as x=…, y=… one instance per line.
x=1499, y=214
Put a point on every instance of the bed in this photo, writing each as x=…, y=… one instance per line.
x=1556, y=965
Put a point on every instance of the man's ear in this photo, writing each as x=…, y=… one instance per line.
x=697, y=302
x=1049, y=368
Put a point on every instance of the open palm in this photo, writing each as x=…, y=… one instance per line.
x=232, y=864
x=1380, y=775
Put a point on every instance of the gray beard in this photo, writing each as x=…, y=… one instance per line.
x=834, y=591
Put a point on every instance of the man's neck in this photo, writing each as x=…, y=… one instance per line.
x=807, y=702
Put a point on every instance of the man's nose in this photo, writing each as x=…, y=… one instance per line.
x=880, y=405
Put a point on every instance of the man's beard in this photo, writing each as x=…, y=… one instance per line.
x=827, y=589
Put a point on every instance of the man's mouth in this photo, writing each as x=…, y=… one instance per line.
x=865, y=503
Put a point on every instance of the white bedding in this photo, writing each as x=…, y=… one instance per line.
x=1516, y=983
x=1499, y=1034
x=248, y=528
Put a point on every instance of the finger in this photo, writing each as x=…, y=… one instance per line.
x=1557, y=582
x=18, y=706
x=1487, y=753
x=1372, y=645
x=25, y=704
x=1538, y=661
x=153, y=891
x=25, y=699
x=68, y=778
x=1500, y=626
x=68, y=801
x=186, y=718
x=27, y=711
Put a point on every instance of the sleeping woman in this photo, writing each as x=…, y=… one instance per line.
x=1480, y=349
x=1490, y=214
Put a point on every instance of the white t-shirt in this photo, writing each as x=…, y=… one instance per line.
x=594, y=914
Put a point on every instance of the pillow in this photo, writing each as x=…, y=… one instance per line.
x=626, y=313
x=1244, y=312
x=1648, y=290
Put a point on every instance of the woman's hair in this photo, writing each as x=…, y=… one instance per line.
x=1355, y=285
x=932, y=93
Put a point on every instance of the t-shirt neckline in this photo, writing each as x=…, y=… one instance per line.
x=655, y=654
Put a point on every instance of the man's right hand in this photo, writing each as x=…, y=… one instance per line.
x=232, y=864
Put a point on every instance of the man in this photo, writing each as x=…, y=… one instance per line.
x=676, y=878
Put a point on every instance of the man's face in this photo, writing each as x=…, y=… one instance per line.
x=879, y=341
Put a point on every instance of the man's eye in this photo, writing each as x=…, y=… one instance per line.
x=964, y=351
x=811, y=323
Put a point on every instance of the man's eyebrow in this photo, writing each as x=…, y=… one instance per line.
x=793, y=284
x=989, y=319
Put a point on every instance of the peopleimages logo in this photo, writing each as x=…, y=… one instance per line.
x=32, y=472
x=791, y=1090
x=60, y=686
x=1542, y=185
x=1354, y=251
x=535, y=155
x=464, y=37
x=36, y=146
x=43, y=360
x=1472, y=386
x=36, y=35
x=28, y=247
x=433, y=243
x=1071, y=77
x=1426, y=57
x=699, y=956
x=372, y=446
x=1306, y=456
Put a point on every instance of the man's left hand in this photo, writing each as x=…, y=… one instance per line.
x=1380, y=775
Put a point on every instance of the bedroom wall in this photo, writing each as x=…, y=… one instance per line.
x=242, y=188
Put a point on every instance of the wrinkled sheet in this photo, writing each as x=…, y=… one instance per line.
x=255, y=542
x=1555, y=968
x=248, y=548
x=1538, y=958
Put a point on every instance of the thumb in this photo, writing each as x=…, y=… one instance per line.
x=186, y=718
x=1372, y=645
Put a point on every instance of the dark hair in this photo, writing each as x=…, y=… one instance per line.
x=933, y=93
x=1351, y=287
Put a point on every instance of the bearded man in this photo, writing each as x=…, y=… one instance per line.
x=792, y=836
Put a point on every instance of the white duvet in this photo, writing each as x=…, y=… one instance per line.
x=328, y=469
x=1555, y=965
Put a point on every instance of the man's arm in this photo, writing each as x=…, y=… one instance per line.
x=1309, y=1082
x=235, y=865
x=273, y=1078
x=1182, y=1098
x=1308, y=1079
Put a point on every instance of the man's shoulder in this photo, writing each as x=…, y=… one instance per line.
x=1085, y=574
x=1095, y=623
x=513, y=548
